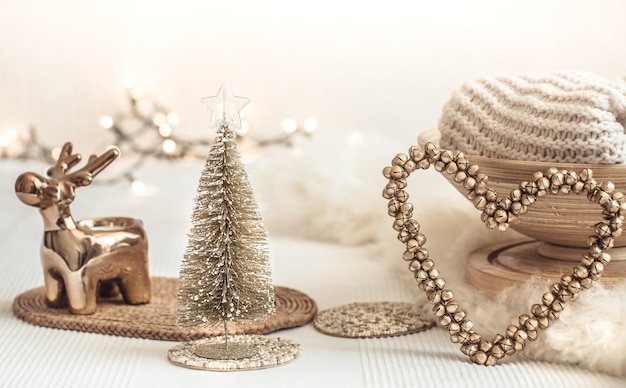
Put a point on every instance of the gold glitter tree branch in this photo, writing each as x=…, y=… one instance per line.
x=225, y=273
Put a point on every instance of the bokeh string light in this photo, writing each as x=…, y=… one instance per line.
x=147, y=130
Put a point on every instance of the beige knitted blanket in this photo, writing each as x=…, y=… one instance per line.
x=571, y=117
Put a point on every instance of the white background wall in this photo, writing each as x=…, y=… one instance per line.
x=372, y=66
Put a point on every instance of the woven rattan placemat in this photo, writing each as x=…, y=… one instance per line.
x=157, y=319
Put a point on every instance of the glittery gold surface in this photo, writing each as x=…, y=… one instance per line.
x=373, y=319
x=225, y=274
x=223, y=351
x=269, y=352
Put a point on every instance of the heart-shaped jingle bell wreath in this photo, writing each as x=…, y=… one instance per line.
x=498, y=213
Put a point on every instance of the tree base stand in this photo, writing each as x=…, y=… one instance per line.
x=243, y=352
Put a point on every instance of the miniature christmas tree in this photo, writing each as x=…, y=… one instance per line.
x=225, y=274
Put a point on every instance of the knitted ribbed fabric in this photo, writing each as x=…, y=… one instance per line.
x=563, y=117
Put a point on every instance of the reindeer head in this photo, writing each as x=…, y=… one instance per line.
x=60, y=189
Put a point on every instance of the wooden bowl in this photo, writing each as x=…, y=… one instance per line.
x=563, y=222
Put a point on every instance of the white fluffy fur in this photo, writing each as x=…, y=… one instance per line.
x=330, y=191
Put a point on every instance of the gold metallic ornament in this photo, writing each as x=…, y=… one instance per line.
x=89, y=257
x=498, y=211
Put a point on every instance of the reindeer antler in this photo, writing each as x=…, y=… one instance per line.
x=65, y=161
x=85, y=175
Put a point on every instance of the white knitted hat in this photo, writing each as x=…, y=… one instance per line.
x=563, y=117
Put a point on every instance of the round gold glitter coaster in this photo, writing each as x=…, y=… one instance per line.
x=211, y=353
x=372, y=319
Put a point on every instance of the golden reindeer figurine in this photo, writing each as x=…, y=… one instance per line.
x=97, y=256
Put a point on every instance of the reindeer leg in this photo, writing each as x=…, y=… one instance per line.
x=136, y=289
x=54, y=289
x=54, y=284
x=81, y=292
x=135, y=285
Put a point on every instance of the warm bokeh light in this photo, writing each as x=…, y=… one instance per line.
x=8, y=138
x=310, y=125
x=129, y=129
x=173, y=118
x=165, y=130
x=128, y=82
x=138, y=187
x=169, y=146
x=289, y=125
x=159, y=119
x=106, y=122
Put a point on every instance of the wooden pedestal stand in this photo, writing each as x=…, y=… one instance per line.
x=516, y=263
